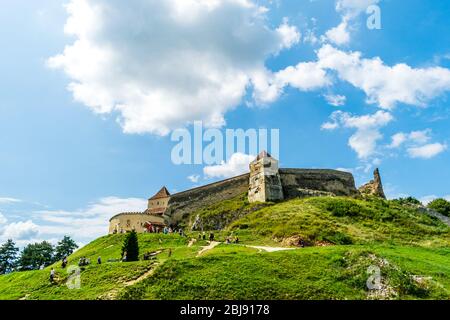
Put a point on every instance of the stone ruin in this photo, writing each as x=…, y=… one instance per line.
x=374, y=187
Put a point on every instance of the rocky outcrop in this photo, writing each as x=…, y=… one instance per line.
x=374, y=187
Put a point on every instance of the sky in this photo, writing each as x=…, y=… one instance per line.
x=92, y=91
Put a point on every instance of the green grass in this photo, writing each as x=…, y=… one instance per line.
x=405, y=244
x=343, y=221
x=338, y=272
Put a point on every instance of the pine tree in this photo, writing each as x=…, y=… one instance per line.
x=35, y=255
x=65, y=248
x=131, y=246
x=8, y=257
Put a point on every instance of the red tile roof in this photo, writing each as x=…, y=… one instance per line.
x=163, y=193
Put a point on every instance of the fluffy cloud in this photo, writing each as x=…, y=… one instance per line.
x=415, y=137
x=236, y=165
x=417, y=144
x=383, y=84
x=427, y=151
x=305, y=76
x=339, y=35
x=162, y=64
x=87, y=223
x=335, y=100
x=353, y=8
x=20, y=231
x=364, y=141
x=349, y=10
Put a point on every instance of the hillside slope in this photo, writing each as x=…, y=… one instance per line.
x=342, y=237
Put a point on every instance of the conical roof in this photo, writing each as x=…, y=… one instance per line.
x=163, y=193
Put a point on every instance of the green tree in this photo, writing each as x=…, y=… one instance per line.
x=440, y=205
x=131, y=246
x=8, y=256
x=65, y=248
x=35, y=255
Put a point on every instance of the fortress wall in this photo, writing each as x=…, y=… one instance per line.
x=183, y=203
x=296, y=181
x=132, y=220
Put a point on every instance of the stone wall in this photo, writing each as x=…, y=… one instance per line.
x=316, y=182
x=128, y=221
x=183, y=203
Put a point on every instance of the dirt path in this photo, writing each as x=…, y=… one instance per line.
x=112, y=294
x=212, y=245
x=270, y=249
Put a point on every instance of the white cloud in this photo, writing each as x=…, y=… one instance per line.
x=339, y=35
x=427, y=151
x=364, y=141
x=305, y=76
x=417, y=145
x=162, y=64
x=353, y=8
x=385, y=85
x=87, y=223
x=427, y=199
x=194, y=178
x=335, y=100
x=236, y=165
x=19, y=231
x=415, y=137
x=398, y=139
x=3, y=219
x=9, y=200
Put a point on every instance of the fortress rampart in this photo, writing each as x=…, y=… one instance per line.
x=183, y=203
x=265, y=182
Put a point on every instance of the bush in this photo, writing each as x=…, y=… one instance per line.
x=410, y=201
x=344, y=208
x=440, y=205
x=131, y=246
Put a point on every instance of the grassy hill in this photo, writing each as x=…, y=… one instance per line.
x=343, y=238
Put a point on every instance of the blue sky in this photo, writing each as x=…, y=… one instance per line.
x=85, y=128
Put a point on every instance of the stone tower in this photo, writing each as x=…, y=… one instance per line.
x=374, y=187
x=265, y=182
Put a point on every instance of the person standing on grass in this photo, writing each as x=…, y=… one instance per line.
x=52, y=275
x=99, y=260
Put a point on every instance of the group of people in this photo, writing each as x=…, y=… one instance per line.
x=230, y=240
x=202, y=236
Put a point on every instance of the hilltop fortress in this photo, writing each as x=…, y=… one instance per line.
x=265, y=182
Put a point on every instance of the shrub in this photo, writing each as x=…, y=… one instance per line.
x=410, y=201
x=440, y=205
x=131, y=246
x=344, y=208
